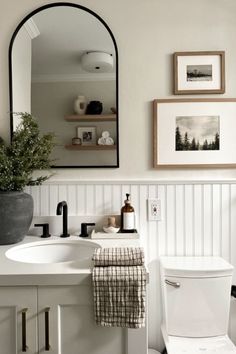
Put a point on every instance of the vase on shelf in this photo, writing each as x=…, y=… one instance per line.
x=94, y=107
x=80, y=105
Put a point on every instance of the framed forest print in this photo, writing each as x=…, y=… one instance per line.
x=199, y=72
x=194, y=132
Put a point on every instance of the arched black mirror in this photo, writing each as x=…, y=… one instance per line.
x=63, y=63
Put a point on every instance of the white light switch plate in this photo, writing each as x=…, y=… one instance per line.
x=154, y=209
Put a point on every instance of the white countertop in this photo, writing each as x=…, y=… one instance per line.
x=14, y=273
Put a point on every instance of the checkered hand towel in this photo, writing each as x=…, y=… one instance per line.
x=126, y=256
x=119, y=295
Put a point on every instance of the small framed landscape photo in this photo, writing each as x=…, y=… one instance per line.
x=194, y=132
x=87, y=135
x=199, y=72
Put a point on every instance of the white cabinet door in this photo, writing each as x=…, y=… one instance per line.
x=18, y=320
x=71, y=323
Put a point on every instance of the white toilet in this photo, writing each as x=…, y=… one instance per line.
x=196, y=302
x=152, y=351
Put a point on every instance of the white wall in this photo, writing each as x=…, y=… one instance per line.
x=147, y=33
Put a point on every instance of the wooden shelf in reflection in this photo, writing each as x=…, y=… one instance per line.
x=90, y=147
x=91, y=118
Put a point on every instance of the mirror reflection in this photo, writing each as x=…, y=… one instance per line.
x=63, y=62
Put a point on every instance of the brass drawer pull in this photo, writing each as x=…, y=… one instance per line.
x=24, y=334
x=47, y=341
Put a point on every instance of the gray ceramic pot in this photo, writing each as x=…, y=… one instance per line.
x=16, y=213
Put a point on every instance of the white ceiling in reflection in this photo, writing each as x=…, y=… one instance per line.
x=65, y=34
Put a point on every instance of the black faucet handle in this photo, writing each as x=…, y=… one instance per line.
x=84, y=230
x=45, y=227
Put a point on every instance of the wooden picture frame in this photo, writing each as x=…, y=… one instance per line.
x=199, y=72
x=87, y=135
x=206, y=128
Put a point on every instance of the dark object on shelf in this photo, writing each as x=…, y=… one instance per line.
x=45, y=227
x=76, y=141
x=94, y=107
x=233, y=291
x=84, y=231
x=164, y=351
x=134, y=231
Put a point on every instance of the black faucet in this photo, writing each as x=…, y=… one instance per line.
x=62, y=207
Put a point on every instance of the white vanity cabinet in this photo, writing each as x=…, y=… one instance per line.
x=48, y=308
x=18, y=318
x=72, y=329
x=58, y=320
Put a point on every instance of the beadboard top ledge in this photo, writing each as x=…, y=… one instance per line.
x=139, y=182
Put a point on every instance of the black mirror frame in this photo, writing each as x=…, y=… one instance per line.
x=117, y=71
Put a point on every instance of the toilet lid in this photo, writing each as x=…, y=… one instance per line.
x=213, y=345
x=192, y=267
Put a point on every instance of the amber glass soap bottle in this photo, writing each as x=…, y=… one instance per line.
x=127, y=216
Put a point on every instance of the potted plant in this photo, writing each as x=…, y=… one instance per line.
x=27, y=152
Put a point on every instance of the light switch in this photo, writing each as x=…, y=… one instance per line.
x=154, y=209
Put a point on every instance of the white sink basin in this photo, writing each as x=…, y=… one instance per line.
x=54, y=251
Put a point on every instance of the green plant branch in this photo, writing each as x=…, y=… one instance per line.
x=27, y=152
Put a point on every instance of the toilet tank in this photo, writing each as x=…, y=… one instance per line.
x=195, y=295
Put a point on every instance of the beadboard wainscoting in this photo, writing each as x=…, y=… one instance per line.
x=198, y=218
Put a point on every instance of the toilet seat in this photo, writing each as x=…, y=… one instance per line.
x=210, y=345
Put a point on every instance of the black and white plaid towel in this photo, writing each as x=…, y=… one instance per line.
x=126, y=256
x=119, y=295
